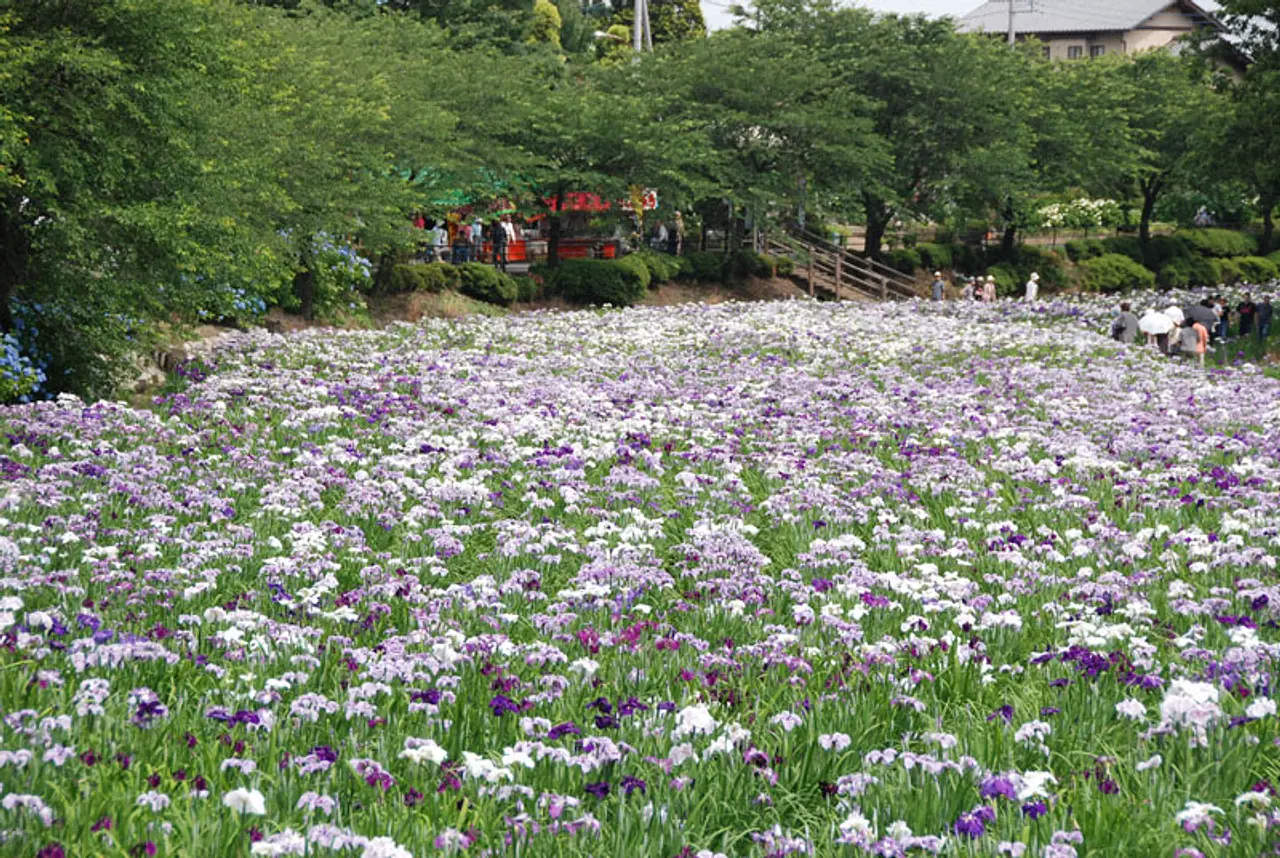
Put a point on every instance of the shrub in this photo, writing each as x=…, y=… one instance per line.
x=601, y=281
x=404, y=278
x=1218, y=243
x=527, y=288
x=1045, y=262
x=486, y=283
x=1255, y=269
x=935, y=256
x=786, y=265
x=706, y=266
x=1163, y=249
x=663, y=267
x=435, y=277
x=1274, y=256
x=1007, y=280
x=1123, y=245
x=1080, y=249
x=967, y=257
x=905, y=260
x=1115, y=272
x=20, y=378
x=636, y=268
x=1174, y=275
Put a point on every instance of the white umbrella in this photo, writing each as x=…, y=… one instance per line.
x=1155, y=323
x=1175, y=313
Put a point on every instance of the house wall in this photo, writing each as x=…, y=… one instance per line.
x=1059, y=45
x=1159, y=30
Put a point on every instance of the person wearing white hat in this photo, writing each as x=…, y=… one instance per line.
x=1033, y=286
x=939, y=286
x=989, y=289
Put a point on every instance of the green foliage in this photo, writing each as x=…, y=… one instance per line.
x=906, y=260
x=1114, y=272
x=1008, y=282
x=967, y=257
x=935, y=256
x=1124, y=245
x=1253, y=269
x=1080, y=249
x=488, y=284
x=707, y=266
x=1162, y=249
x=546, y=23
x=599, y=281
x=663, y=267
x=1182, y=271
x=1274, y=257
x=1218, y=243
x=20, y=378
x=748, y=263
x=635, y=269
x=1028, y=259
x=527, y=288
x=432, y=277
x=784, y=265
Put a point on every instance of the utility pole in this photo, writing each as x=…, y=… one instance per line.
x=1013, y=33
x=648, y=30
x=636, y=25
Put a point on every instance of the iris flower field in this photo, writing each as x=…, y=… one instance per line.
x=733, y=581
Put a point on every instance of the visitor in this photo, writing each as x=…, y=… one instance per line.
x=939, y=286
x=989, y=290
x=1219, y=307
x=660, y=237
x=1262, y=325
x=679, y=234
x=1124, y=328
x=442, y=243
x=967, y=293
x=1247, y=311
x=1156, y=326
x=498, y=236
x=462, y=244
x=477, y=238
x=1195, y=339
x=1033, y=286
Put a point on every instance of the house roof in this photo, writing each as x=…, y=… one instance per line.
x=1073, y=16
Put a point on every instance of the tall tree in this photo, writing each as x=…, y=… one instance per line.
x=1167, y=99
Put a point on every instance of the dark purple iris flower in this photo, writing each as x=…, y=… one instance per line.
x=969, y=825
x=631, y=784
x=997, y=786
x=600, y=789
x=1035, y=809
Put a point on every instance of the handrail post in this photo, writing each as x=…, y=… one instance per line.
x=839, y=273
x=884, y=288
x=811, y=257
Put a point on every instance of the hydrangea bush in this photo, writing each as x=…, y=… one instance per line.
x=744, y=581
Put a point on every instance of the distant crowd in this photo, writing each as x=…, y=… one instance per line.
x=1186, y=331
x=1189, y=330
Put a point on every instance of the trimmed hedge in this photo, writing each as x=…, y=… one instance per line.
x=1218, y=243
x=1008, y=283
x=1123, y=245
x=486, y=283
x=934, y=256
x=1115, y=272
x=705, y=265
x=601, y=281
x=1163, y=249
x=663, y=267
x=905, y=260
x=527, y=288
x=1080, y=249
x=1258, y=269
x=1190, y=271
x=432, y=277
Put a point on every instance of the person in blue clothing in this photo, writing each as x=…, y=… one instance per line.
x=939, y=286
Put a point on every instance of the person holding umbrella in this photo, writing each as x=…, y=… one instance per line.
x=1157, y=326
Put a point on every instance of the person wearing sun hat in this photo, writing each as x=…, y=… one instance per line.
x=939, y=286
x=989, y=289
x=1033, y=286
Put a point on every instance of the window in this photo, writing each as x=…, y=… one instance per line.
x=1075, y=52
x=1097, y=50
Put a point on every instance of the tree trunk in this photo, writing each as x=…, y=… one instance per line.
x=304, y=286
x=14, y=255
x=1007, y=242
x=1151, y=190
x=553, y=236
x=1268, y=226
x=877, y=223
